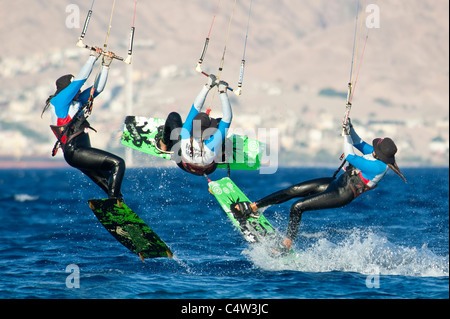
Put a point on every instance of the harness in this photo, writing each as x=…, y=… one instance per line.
x=357, y=182
x=199, y=170
x=77, y=125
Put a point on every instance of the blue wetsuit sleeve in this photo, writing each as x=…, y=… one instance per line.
x=364, y=148
x=62, y=100
x=86, y=69
x=195, y=109
x=187, y=126
x=100, y=84
x=359, y=144
x=369, y=168
x=84, y=96
x=221, y=133
x=101, y=80
x=217, y=138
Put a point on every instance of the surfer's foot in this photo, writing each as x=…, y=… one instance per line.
x=244, y=210
x=288, y=243
x=253, y=207
x=241, y=210
x=119, y=199
x=158, y=138
x=162, y=146
x=282, y=248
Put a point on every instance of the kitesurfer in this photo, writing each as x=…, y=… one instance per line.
x=361, y=175
x=67, y=106
x=197, y=144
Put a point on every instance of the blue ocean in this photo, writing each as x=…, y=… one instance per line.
x=390, y=243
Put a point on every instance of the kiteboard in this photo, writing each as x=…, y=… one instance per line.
x=129, y=229
x=241, y=152
x=255, y=228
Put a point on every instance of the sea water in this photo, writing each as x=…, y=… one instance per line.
x=390, y=243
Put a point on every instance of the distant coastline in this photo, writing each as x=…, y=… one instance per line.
x=6, y=164
x=56, y=164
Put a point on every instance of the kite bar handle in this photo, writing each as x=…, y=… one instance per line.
x=83, y=33
x=241, y=78
x=241, y=75
x=200, y=61
x=130, y=47
x=231, y=89
x=85, y=46
x=348, y=107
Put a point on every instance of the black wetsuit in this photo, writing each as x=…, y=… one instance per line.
x=196, y=153
x=321, y=193
x=105, y=169
x=174, y=123
x=70, y=127
x=362, y=174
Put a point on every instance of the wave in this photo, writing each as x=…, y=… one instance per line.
x=363, y=251
x=25, y=198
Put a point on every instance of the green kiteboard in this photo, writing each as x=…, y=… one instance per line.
x=129, y=229
x=241, y=152
x=255, y=228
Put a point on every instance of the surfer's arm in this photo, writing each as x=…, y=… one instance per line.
x=348, y=146
x=61, y=101
x=368, y=167
x=86, y=70
x=100, y=83
x=215, y=142
x=227, y=113
x=357, y=141
x=364, y=148
x=187, y=126
x=197, y=106
x=201, y=97
x=349, y=143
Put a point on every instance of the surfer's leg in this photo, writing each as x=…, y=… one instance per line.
x=116, y=165
x=173, y=122
x=336, y=195
x=299, y=190
x=98, y=178
x=76, y=159
x=96, y=163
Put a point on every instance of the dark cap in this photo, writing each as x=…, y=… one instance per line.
x=385, y=149
x=203, y=121
x=63, y=82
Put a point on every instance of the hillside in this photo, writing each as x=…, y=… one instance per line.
x=297, y=67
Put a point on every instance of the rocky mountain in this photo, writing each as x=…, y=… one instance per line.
x=298, y=61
